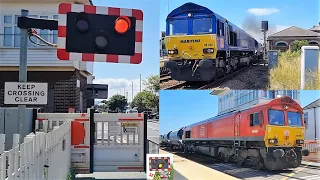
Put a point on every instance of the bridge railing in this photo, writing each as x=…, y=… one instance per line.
x=37, y=156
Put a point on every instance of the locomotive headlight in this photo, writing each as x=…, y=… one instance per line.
x=299, y=141
x=273, y=141
x=173, y=51
x=208, y=50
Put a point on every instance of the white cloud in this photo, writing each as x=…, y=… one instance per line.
x=263, y=11
x=116, y=86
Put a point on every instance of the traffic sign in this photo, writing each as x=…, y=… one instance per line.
x=100, y=34
x=129, y=124
x=25, y=93
x=114, y=128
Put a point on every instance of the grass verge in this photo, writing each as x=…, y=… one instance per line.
x=287, y=75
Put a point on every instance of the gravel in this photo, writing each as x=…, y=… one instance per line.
x=169, y=83
x=256, y=77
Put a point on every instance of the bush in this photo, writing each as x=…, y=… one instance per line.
x=296, y=45
x=288, y=73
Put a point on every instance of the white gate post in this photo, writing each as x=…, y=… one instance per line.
x=309, y=64
x=16, y=147
x=2, y=143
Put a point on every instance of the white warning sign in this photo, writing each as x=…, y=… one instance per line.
x=25, y=93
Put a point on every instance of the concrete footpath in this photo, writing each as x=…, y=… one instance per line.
x=185, y=169
x=313, y=157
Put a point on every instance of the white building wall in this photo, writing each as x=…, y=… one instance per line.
x=37, y=56
x=313, y=123
x=231, y=100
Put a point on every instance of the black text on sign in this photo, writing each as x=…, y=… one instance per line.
x=25, y=93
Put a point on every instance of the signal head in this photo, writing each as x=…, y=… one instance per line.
x=122, y=24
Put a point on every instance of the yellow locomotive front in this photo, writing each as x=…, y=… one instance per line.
x=192, y=47
x=284, y=135
x=191, y=44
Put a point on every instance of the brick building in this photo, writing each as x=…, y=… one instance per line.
x=67, y=80
x=283, y=39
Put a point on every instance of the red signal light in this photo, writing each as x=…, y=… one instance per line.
x=122, y=24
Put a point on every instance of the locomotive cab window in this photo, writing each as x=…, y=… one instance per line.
x=188, y=134
x=254, y=119
x=202, y=26
x=276, y=117
x=294, y=119
x=220, y=28
x=178, y=27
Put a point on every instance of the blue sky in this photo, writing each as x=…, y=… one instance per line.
x=184, y=107
x=279, y=13
x=119, y=75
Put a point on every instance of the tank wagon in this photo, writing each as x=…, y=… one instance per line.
x=203, y=45
x=268, y=135
x=175, y=138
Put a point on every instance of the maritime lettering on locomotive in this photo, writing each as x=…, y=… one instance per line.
x=190, y=41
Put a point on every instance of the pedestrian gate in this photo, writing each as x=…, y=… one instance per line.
x=104, y=142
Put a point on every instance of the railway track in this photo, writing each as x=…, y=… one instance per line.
x=165, y=77
x=204, y=85
x=245, y=172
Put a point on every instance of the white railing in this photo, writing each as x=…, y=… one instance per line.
x=312, y=145
x=40, y=156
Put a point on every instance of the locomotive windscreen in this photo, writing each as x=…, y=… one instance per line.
x=294, y=119
x=178, y=27
x=202, y=26
x=276, y=117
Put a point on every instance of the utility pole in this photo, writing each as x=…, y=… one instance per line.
x=124, y=91
x=132, y=91
x=140, y=82
x=22, y=72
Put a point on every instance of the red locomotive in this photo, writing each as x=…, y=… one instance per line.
x=268, y=135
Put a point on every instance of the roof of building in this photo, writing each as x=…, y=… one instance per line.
x=295, y=31
x=217, y=92
x=315, y=28
x=314, y=104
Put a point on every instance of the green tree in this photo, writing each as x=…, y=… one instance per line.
x=146, y=100
x=153, y=83
x=104, y=102
x=296, y=45
x=117, y=103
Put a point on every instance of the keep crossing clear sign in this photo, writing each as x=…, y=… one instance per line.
x=25, y=93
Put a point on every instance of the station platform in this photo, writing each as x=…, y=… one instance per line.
x=185, y=169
